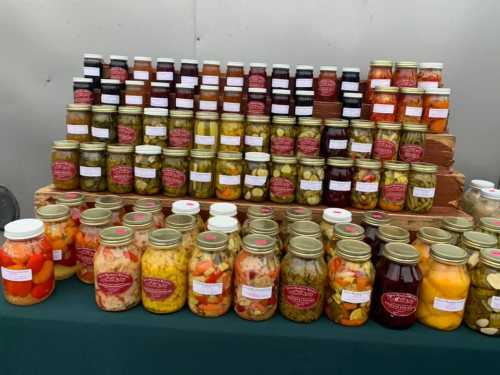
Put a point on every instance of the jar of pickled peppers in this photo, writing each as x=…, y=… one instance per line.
x=76, y=203
x=436, y=108
x=405, y=74
x=430, y=75
x=394, y=185
x=410, y=105
x=379, y=75
x=366, y=181
x=385, y=100
x=343, y=231
x=330, y=217
x=269, y=228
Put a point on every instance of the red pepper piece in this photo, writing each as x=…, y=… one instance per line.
x=42, y=290
x=5, y=260
x=214, y=276
x=35, y=262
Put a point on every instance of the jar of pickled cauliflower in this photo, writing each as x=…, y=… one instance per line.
x=229, y=226
x=186, y=225
x=142, y=224
x=188, y=207
x=426, y=237
x=113, y=203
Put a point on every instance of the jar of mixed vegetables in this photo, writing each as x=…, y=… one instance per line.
x=256, y=212
x=436, y=104
x=188, y=207
x=412, y=143
x=113, y=203
x=393, y=186
x=78, y=119
x=104, y=123
x=186, y=225
x=310, y=181
x=232, y=132
x=201, y=174
x=175, y=172
x=371, y=221
x=366, y=184
x=308, y=137
x=129, y=125
x=76, y=203
x=426, y=237
x=154, y=207
x=490, y=225
x=385, y=100
x=293, y=214
x=456, y=226
x=330, y=217
x=65, y=161
x=387, y=234
x=257, y=134
x=488, y=205
x=421, y=187
x=335, y=137
x=228, y=172
x=229, y=226
x=155, y=126
x=386, y=144
x=269, y=228
x=360, y=139
x=93, y=166
x=343, y=231
x=338, y=181
x=473, y=242
x=283, y=179
x=410, y=103
x=142, y=224
x=471, y=195
x=180, y=129
x=147, y=169
x=206, y=131
x=256, y=180
x=283, y=136
x=120, y=168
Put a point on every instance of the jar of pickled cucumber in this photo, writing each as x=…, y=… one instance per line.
x=175, y=172
x=142, y=225
x=371, y=221
x=228, y=172
x=256, y=180
x=292, y=215
x=180, y=129
x=308, y=137
x=113, y=203
x=232, y=132
x=257, y=134
x=393, y=186
x=78, y=119
x=120, y=168
x=269, y=228
x=490, y=225
x=360, y=139
x=283, y=179
x=229, y=226
x=421, y=187
x=366, y=184
x=386, y=144
x=129, y=125
x=104, y=123
x=188, y=207
x=330, y=217
x=206, y=131
x=65, y=159
x=426, y=237
x=310, y=181
x=387, y=234
x=93, y=166
x=256, y=212
x=412, y=143
x=343, y=231
x=456, y=226
x=154, y=207
x=186, y=225
x=473, y=242
x=471, y=196
x=155, y=126
x=147, y=169
x=283, y=136
x=303, y=228
x=201, y=174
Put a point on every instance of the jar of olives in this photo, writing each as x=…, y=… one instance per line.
x=361, y=139
x=147, y=169
x=393, y=186
x=473, y=242
x=283, y=136
x=104, y=123
x=283, y=179
x=180, y=129
x=387, y=234
x=456, y=226
x=422, y=187
x=93, y=166
x=338, y=181
x=256, y=181
x=256, y=212
x=371, y=221
x=65, y=158
x=120, y=168
x=292, y=215
x=269, y=228
x=78, y=119
x=155, y=126
x=257, y=134
x=206, y=131
x=113, y=203
x=310, y=181
x=335, y=137
x=366, y=183
x=189, y=207
x=490, y=225
x=386, y=142
x=232, y=131
x=412, y=143
x=174, y=172
x=228, y=172
x=308, y=137
x=201, y=174
x=129, y=125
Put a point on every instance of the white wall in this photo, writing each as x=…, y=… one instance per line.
x=43, y=42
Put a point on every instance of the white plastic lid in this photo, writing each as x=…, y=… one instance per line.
x=148, y=150
x=160, y=84
x=92, y=56
x=281, y=92
x=257, y=156
x=189, y=61
x=23, y=229
x=209, y=87
x=233, y=89
x=355, y=95
x=304, y=93
x=337, y=215
x=185, y=206
x=118, y=57
x=224, y=224
x=431, y=65
x=350, y=70
x=281, y=66
x=491, y=193
x=236, y=64
x=328, y=68
x=110, y=81
x=165, y=60
x=482, y=184
x=143, y=58
x=255, y=90
x=211, y=62
x=134, y=83
x=223, y=209
x=82, y=80
x=258, y=65
x=156, y=111
x=304, y=67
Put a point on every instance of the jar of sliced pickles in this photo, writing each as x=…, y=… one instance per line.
x=490, y=225
x=120, y=169
x=308, y=137
x=473, y=242
x=229, y=226
x=311, y=173
x=201, y=174
x=410, y=102
x=155, y=126
x=426, y=237
x=393, y=186
x=175, y=172
x=142, y=225
x=421, y=187
x=206, y=131
x=188, y=207
x=269, y=228
x=228, y=172
x=360, y=139
x=76, y=203
x=371, y=221
x=113, y=203
x=65, y=162
x=104, y=123
x=129, y=125
x=412, y=143
x=257, y=134
x=93, y=166
x=387, y=234
x=283, y=179
x=386, y=144
x=180, y=129
x=256, y=180
x=343, y=231
x=283, y=136
x=232, y=132
x=456, y=226
x=366, y=184
x=154, y=207
x=147, y=169
x=186, y=225
x=78, y=120
x=330, y=217
x=256, y=212
x=292, y=215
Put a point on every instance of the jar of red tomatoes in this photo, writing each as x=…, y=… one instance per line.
x=405, y=74
x=385, y=100
x=334, y=138
x=76, y=203
x=410, y=102
x=380, y=75
x=436, y=104
x=257, y=77
x=430, y=75
x=327, y=84
x=338, y=180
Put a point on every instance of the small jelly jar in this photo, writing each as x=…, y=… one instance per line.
x=118, y=68
x=257, y=77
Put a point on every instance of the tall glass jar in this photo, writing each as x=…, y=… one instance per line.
x=113, y=203
x=269, y=228
x=405, y=74
x=472, y=194
x=147, y=169
x=256, y=212
x=129, y=125
x=334, y=139
x=120, y=169
x=338, y=181
x=410, y=105
x=284, y=179
x=201, y=174
x=228, y=172
x=488, y=205
x=387, y=234
x=385, y=100
x=152, y=206
x=283, y=136
x=229, y=226
x=436, y=104
x=78, y=119
x=256, y=180
x=308, y=137
x=343, y=231
x=311, y=174
x=361, y=139
x=386, y=144
x=186, y=225
x=180, y=129
x=456, y=226
x=155, y=126
x=93, y=166
x=491, y=226
x=393, y=186
x=206, y=131
x=421, y=187
x=142, y=224
x=65, y=161
x=76, y=203
x=257, y=134
x=426, y=237
x=175, y=172
x=104, y=123
x=330, y=217
x=232, y=132
x=379, y=75
x=412, y=143
x=473, y=242
x=293, y=214
x=366, y=184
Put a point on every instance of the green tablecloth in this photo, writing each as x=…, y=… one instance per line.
x=69, y=334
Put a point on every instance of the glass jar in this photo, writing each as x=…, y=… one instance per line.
x=92, y=68
x=385, y=100
x=430, y=75
x=330, y=217
x=201, y=174
x=60, y=231
x=223, y=209
x=361, y=139
x=159, y=95
x=209, y=98
x=257, y=77
x=206, y=131
x=186, y=225
x=210, y=72
x=257, y=101
x=393, y=186
x=349, y=81
x=165, y=69
x=386, y=144
x=189, y=72
x=65, y=161
x=180, y=129
x=83, y=92
x=488, y=205
x=256, y=181
x=426, y=237
x=235, y=74
x=113, y=203
x=142, y=69
x=76, y=203
x=280, y=102
x=343, y=231
x=303, y=280
x=386, y=234
x=456, y=226
x=350, y=281
x=304, y=103
x=164, y=267
x=444, y=288
x=135, y=93
x=256, y=212
x=280, y=78
x=92, y=166
x=92, y=222
x=184, y=96
x=412, y=143
x=230, y=227
x=120, y=169
x=473, y=242
x=472, y=194
x=147, y=169
x=304, y=77
x=78, y=119
x=371, y=221
x=103, y=123
x=405, y=74
x=142, y=225
x=188, y=207
x=366, y=184
x=257, y=134
x=283, y=136
x=26, y=263
x=129, y=125
x=334, y=139
x=483, y=302
x=410, y=102
x=311, y=174
x=283, y=179
x=397, y=286
x=210, y=276
x=256, y=278
x=232, y=99
x=436, y=104
x=110, y=91
x=326, y=87
x=152, y=206
x=302, y=228
x=380, y=75
x=232, y=131
x=155, y=126
x=228, y=172
x=491, y=226
x=175, y=172
x=269, y=228
x=308, y=137
x=422, y=187
x=351, y=105
x=118, y=68
x=293, y=214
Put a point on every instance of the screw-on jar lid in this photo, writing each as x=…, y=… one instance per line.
x=119, y=235
x=449, y=254
x=229, y=155
x=148, y=205
x=304, y=67
x=318, y=162
x=406, y=64
x=92, y=56
x=172, y=151
x=353, y=250
x=457, y=224
x=490, y=257
x=71, y=199
x=138, y=220
x=284, y=120
x=281, y=66
x=264, y=226
x=180, y=222
x=185, y=206
x=349, y=231
x=261, y=157
x=336, y=123
x=438, y=91
x=224, y=224
x=353, y=95
x=130, y=110
x=386, y=89
x=148, y=150
x=189, y=61
x=422, y=128
x=479, y=240
x=281, y=92
x=368, y=163
x=258, y=65
x=212, y=241
x=337, y=215
x=211, y=62
x=381, y=63
x=120, y=149
x=401, y=253
x=233, y=89
x=327, y=68
x=258, y=118
x=143, y=58
x=209, y=88
x=490, y=223
x=131, y=82
x=395, y=165
x=260, y=212
x=431, y=65
x=79, y=107
x=111, y=202
x=53, y=213
x=223, y=209
x=284, y=159
x=304, y=93
x=482, y=184
x=202, y=154
x=165, y=238
x=66, y=145
x=257, y=90
x=392, y=233
x=491, y=193
x=349, y=69
x=411, y=90
x=340, y=162
x=388, y=125
x=205, y=115
x=258, y=243
x=375, y=218
x=236, y=64
x=162, y=112
x=305, y=247
x=305, y=228
x=81, y=80
x=424, y=167
x=181, y=113
x=433, y=235
x=298, y=213
x=23, y=229
x=103, y=108
x=363, y=124
x=110, y=81
x=118, y=57
x=96, y=216
x=93, y=146
x=232, y=117
x=309, y=121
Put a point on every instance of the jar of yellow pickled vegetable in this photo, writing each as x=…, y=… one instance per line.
x=142, y=224
x=444, y=288
x=269, y=228
x=188, y=207
x=186, y=225
x=113, y=203
x=232, y=132
x=206, y=131
x=201, y=174
x=293, y=214
x=229, y=226
x=344, y=231
x=228, y=172
x=426, y=237
x=154, y=207
x=456, y=226
x=473, y=242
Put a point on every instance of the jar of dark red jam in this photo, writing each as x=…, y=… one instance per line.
x=82, y=91
x=304, y=77
x=184, y=96
x=165, y=69
x=235, y=74
x=92, y=68
x=256, y=104
x=189, y=72
x=110, y=91
x=118, y=68
x=304, y=103
x=397, y=284
x=326, y=87
x=334, y=138
x=350, y=80
x=257, y=77
x=280, y=104
x=159, y=94
x=371, y=220
x=351, y=105
x=338, y=180
x=280, y=78
x=386, y=234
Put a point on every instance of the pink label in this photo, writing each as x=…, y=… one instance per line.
x=254, y=107
x=157, y=289
x=256, y=80
x=281, y=186
x=384, y=149
x=411, y=153
x=119, y=73
x=394, y=192
x=85, y=256
x=351, y=229
x=308, y=146
x=83, y=96
x=126, y=135
x=301, y=296
x=114, y=283
x=179, y=138
x=282, y=145
x=399, y=304
x=173, y=178
x=122, y=175
x=261, y=242
x=326, y=87
x=63, y=170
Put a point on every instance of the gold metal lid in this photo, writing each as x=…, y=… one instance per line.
x=93, y=146
x=180, y=152
x=353, y=250
x=263, y=226
x=230, y=155
x=411, y=90
x=65, y=145
x=205, y=115
x=340, y=162
x=258, y=118
x=305, y=228
x=180, y=222
x=232, y=117
x=78, y=107
x=394, y=165
x=448, y=254
x=120, y=149
x=401, y=253
x=181, y=113
x=336, y=123
x=130, y=110
x=305, y=247
x=118, y=235
x=362, y=124
x=71, y=199
x=349, y=231
x=111, y=202
x=312, y=161
x=438, y=91
x=422, y=128
x=260, y=212
x=259, y=244
x=424, y=167
x=96, y=216
x=388, y=125
x=138, y=220
x=386, y=90
x=202, y=154
x=309, y=121
x=457, y=224
x=165, y=238
x=406, y=64
x=490, y=223
x=392, y=233
x=375, y=218
x=298, y=213
x=148, y=205
x=104, y=108
x=368, y=163
x=490, y=257
x=479, y=240
x=433, y=235
x=284, y=159
x=381, y=63
x=53, y=213
x=212, y=241
x=283, y=120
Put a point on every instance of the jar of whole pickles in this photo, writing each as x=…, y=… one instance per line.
x=186, y=225
x=142, y=224
x=366, y=184
x=308, y=137
x=78, y=119
x=65, y=161
x=76, y=203
x=386, y=144
x=426, y=237
x=283, y=136
x=410, y=105
x=385, y=100
x=292, y=215
x=175, y=172
x=483, y=302
x=421, y=187
x=147, y=169
x=303, y=280
x=232, y=131
x=129, y=125
x=471, y=196
x=490, y=225
x=335, y=137
x=283, y=179
x=380, y=75
x=229, y=226
x=330, y=217
x=228, y=172
x=412, y=143
x=269, y=228
x=256, y=180
x=164, y=267
x=152, y=206
x=257, y=134
x=351, y=276
x=488, y=205
x=387, y=234
x=188, y=207
x=360, y=139
x=393, y=186
x=180, y=129
x=473, y=242
x=338, y=181
x=343, y=231
x=456, y=226
x=256, y=212
x=444, y=288
x=436, y=104
x=201, y=174
x=93, y=166
x=120, y=169
x=155, y=126
x=104, y=123
x=310, y=181
x=113, y=203
x=206, y=131
x=303, y=228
